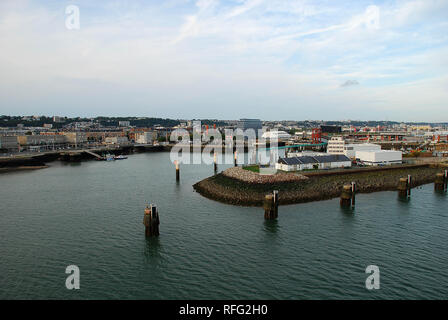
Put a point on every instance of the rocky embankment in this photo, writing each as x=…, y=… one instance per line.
x=243, y=187
x=240, y=174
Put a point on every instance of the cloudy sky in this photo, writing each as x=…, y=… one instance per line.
x=268, y=59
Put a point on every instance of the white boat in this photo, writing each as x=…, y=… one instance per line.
x=120, y=157
x=110, y=157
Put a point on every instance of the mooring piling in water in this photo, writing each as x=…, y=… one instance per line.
x=177, y=170
x=440, y=182
x=271, y=202
x=353, y=193
x=151, y=221
x=215, y=164
x=409, y=184
x=347, y=198
x=404, y=186
x=445, y=175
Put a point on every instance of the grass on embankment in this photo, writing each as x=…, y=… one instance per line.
x=254, y=168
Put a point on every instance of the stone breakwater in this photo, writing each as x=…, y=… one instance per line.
x=251, y=177
x=228, y=189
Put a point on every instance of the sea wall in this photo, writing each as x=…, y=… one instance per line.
x=227, y=189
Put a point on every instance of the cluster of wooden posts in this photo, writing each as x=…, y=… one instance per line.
x=441, y=181
x=151, y=221
x=270, y=205
x=404, y=188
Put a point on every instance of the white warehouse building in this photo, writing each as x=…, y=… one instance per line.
x=379, y=157
x=351, y=149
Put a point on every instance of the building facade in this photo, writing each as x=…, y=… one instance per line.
x=9, y=143
x=351, y=149
x=379, y=157
x=145, y=137
x=336, y=145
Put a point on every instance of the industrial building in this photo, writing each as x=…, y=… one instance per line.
x=313, y=162
x=331, y=129
x=351, y=149
x=336, y=145
x=379, y=157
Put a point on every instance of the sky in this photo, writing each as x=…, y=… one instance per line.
x=185, y=59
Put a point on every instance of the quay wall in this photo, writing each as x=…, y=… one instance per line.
x=317, y=187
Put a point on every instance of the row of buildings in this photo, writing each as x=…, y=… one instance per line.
x=76, y=139
x=340, y=155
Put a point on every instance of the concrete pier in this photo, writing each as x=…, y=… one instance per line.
x=151, y=221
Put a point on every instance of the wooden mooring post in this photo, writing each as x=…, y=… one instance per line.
x=271, y=202
x=440, y=184
x=151, y=221
x=446, y=179
x=348, y=195
x=177, y=170
x=215, y=164
x=404, y=187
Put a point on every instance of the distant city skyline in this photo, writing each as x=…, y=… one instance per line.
x=220, y=119
x=207, y=59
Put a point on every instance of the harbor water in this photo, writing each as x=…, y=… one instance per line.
x=90, y=214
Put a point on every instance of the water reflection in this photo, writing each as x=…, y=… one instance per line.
x=403, y=200
x=348, y=211
x=271, y=226
x=440, y=193
x=152, y=247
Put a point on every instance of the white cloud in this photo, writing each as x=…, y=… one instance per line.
x=269, y=58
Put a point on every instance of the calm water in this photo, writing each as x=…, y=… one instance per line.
x=90, y=215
